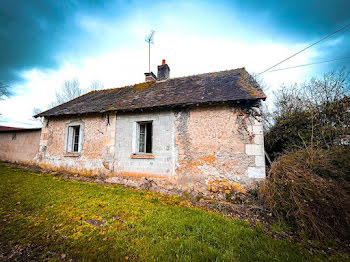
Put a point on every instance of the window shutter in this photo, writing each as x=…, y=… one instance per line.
x=134, y=137
x=70, y=139
x=80, y=139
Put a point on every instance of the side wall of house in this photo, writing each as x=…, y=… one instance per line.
x=19, y=146
x=198, y=149
x=220, y=148
x=97, y=145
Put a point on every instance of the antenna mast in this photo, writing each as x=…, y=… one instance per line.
x=149, y=40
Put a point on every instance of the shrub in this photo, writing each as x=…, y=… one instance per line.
x=296, y=192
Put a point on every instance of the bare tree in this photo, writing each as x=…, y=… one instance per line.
x=96, y=85
x=316, y=113
x=330, y=88
x=36, y=111
x=4, y=91
x=70, y=90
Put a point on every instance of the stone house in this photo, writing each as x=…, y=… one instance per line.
x=199, y=133
x=19, y=144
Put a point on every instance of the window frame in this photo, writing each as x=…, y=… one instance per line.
x=73, y=140
x=138, y=137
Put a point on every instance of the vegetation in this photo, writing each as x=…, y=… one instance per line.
x=308, y=185
x=314, y=113
x=302, y=190
x=4, y=91
x=70, y=89
x=50, y=218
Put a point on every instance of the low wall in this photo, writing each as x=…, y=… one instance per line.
x=19, y=145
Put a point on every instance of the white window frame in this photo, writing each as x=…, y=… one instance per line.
x=136, y=137
x=71, y=137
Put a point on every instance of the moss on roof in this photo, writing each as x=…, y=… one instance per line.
x=230, y=85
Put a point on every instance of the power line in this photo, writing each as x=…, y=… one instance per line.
x=321, y=62
x=305, y=48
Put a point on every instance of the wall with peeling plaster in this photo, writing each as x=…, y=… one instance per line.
x=197, y=149
x=19, y=146
x=218, y=143
x=98, y=144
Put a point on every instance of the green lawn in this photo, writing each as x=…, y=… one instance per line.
x=56, y=218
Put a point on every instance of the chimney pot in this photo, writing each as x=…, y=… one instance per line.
x=163, y=71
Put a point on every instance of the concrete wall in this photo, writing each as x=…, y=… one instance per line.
x=21, y=147
x=161, y=164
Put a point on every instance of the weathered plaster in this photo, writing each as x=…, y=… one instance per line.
x=194, y=148
x=21, y=149
x=217, y=143
x=97, y=151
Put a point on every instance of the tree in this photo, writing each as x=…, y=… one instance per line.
x=316, y=112
x=4, y=91
x=70, y=90
x=36, y=111
x=96, y=85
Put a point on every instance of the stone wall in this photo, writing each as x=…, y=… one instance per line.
x=19, y=146
x=218, y=145
x=200, y=149
x=98, y=145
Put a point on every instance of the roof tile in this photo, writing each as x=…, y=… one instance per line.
x=230, y=85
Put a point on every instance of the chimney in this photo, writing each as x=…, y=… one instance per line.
x=150, y=77
x=163, y=71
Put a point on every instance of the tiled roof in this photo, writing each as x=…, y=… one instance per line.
x=10, y=128
x=230, y=85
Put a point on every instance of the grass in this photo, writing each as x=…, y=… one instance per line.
x=67, y=219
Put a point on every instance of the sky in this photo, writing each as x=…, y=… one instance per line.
x=45, y=42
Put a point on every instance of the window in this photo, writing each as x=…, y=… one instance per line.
x=144, y=137
x=14, y=135
x=74, y=134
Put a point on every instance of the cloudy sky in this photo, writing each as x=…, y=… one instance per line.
x=44, y=42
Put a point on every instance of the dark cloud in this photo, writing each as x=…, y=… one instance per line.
x=34, y=32
x=303, y=21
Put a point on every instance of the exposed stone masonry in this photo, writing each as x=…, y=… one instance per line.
x=194, y=148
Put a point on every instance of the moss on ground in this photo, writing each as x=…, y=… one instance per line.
x=61, y=219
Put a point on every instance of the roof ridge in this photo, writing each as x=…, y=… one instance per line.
x=201, y=74
x=225, y=85
x=132, y=85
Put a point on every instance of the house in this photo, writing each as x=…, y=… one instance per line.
x=198, y=133
x=19, y=144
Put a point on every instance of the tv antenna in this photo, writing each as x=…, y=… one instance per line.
x=149, y=40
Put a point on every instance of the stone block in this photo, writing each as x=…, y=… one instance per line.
x=254, y=150
x=256, y=172
x=257, y=129
x=259, y=139
x=260, y=161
